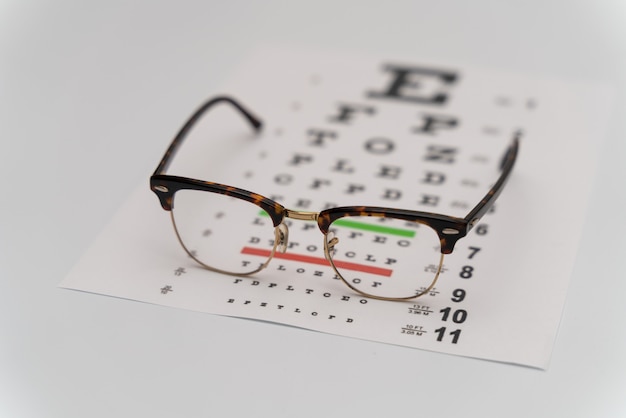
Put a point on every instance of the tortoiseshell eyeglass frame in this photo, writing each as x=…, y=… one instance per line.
x=448, y=228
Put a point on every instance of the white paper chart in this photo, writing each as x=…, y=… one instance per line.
x=395, y=132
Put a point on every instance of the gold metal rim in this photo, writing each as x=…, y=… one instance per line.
x=308, y=216
x=206, y=266
x=371, y=296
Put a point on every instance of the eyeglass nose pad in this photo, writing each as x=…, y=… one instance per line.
x=329, y=244
x=282, y=238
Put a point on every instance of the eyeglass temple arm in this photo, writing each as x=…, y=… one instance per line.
x=173, y=148
x=508, y=161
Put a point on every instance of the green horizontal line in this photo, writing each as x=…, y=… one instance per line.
x=367, y=227
x=374, y=228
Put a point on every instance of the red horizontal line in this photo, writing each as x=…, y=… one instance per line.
x=318, y=260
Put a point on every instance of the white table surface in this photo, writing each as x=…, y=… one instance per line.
x=91, y=93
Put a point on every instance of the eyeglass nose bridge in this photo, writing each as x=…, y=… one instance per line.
x=281, y=232
x=301, y=215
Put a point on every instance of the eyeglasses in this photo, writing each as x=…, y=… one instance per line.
x=381, y=253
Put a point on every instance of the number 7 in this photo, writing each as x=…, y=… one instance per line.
x=473, y=251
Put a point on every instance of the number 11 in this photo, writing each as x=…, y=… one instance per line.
x=442, y=331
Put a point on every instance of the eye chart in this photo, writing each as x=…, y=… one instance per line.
x=378, y=131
